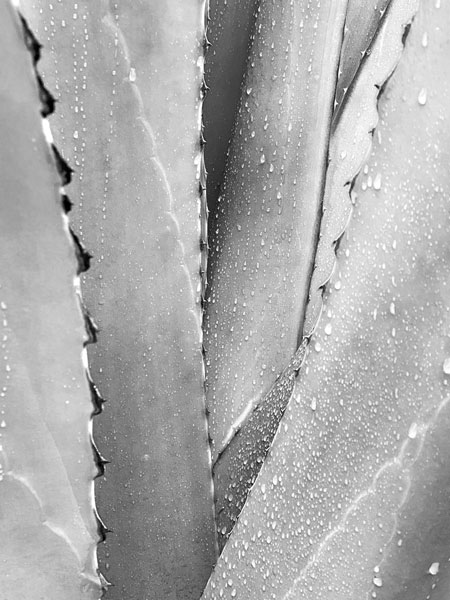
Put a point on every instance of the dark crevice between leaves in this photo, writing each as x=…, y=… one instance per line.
x=214, y=190
x=83, y=259
x=239, y=463
x=203, y=244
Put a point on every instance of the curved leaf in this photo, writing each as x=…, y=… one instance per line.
x=348, y=146
x=48, y=527
x=264, y=232
x=353, y=500
x=128, y=81
x=230, y=26
x=362, y=24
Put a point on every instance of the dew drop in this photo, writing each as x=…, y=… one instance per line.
x=412, y=433
x=377, y=182
x=328, y=328
x=434, y=568
x=425, y=39
x=422, y=97
x=132, y=75
x=446, y=366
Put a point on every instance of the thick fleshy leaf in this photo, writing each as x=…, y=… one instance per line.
x=362, y=23
x=128, y=82
x=264, y=232
x=230, y=27
x=48, y=527
x=353, y=500
x=348, y=146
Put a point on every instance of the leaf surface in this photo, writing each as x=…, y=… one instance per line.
x=264, y=231
x=128, y=81
x=230, y=27
x=238, y=464
x=48, y=527
x=353, y=500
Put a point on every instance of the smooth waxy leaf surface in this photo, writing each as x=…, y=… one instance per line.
x=263, y=233
x=237, y=466
x=353, y=500
x=48, y=528
x=229, y=32
x=128, y=82
x=362, y=23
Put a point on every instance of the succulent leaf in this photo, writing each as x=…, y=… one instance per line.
x=352, y=501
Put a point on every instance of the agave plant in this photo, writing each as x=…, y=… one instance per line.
x=272, y=340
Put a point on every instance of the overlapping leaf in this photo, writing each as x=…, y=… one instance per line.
x=353, y=500
x=128, y=83
x=48, y=527
x=317, y=173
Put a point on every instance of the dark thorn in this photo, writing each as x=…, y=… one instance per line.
x=91, y=328
x=66, y=203
x=102, y=530
x=406, y=33
x=33, y=46
x=100, y=462
x=83, y=257
x=96, y=398
x=47, y=100
x=65, y=172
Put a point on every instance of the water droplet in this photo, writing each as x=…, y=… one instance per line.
x=446, y=366
x=425, y=39
x=412, y=433
x=328, y=328
x=313, y=404
x=377, y=182
x=422, y=97
x=392, y=308
x=75, y=134
x=132, y=75
x=275, y=480
x=377, y=581
x=262, y=160
x=434, y=568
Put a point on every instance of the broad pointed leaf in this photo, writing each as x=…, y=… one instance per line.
x=230, y=28
x=238, y=464
x=128, y=77
x=264, y=231
x=48, y=527
x=353, y=499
